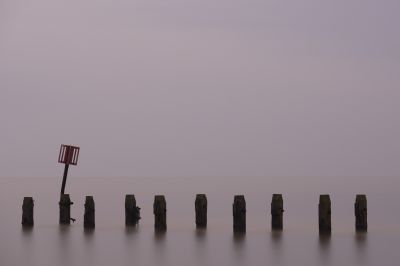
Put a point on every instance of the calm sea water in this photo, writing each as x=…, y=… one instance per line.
x=112, y=244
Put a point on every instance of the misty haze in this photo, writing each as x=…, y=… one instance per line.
x=186, y=97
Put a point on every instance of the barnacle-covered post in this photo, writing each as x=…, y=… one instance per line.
x=132, y=212
x=65, y=209
x=239, y=214
x=88, y=217
x=201, y=210
x=360, y=211
x=160, y=213
x=324, y=214
x=277, y=212
x=27, y=212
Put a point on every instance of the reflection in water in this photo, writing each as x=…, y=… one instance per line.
x=132, y=240
x=65, y=253
x=27, y=231
x=28, y=245
x=361, y=239
x=88, y=232
x=239, y=238
x=276, y=241
x=200, y=234
x=27, y=240
x=160, y=253
x=131, y=230
x=361, y=242
x=239, y=244
x=63, y=231
x=324, y=248
x=200, y=246
x=159, y=236
x=47, y=243
x=130, y=233
x=324, y=242
x=276, y=236
x=89, y=247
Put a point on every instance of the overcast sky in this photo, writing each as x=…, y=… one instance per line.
x=200, y=88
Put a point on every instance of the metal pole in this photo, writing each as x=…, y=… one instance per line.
x=64, y=178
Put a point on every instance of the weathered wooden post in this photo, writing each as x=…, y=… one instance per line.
x=160, y=213
x=201, y=210
x=27, y=212
x=68, y=155
x=324, y=214
x=65, y=209
x=360, y=211
x=277, y=212
x=89, y=217
x=132, y=212
x=239, y=214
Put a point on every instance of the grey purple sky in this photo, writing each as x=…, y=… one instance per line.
x=200, y=88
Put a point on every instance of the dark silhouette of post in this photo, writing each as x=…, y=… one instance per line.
x=65, y=209
x=64, y=181
x=27, y=212
x=160, y=213
x=360, y=211
x=324, y=214
x=132, y=212
x=239, y=214
x=89, y=217
x=201, y=210
x=277, y=212
x=68, y=155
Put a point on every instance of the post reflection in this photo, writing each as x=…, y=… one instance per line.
x=88, y=234
x=63, y=231
x=131, y=230
x=130, y=234
x=200, y=246
x=324, y=248
x=159, y=236
x=88, y=231
x=324, y=241
x=160, y=245
x=361, y=243
x=276, y=244
x=27, y=239
x=239, y=238
x=64, y=247
x=200, y=235
x=239, y=248
x=27, y=231
x=361, y=239
x=276, y=236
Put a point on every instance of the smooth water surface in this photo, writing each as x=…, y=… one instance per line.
x=113, y=244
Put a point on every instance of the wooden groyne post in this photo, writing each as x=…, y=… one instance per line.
x=160, y=213
x=201, y=210
x=324, y=214
x=360, y=211
x=277, y=212
x=65, y=209
x=239, y=214
x=89, y=216
x=27, y=212
x=132, y=212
